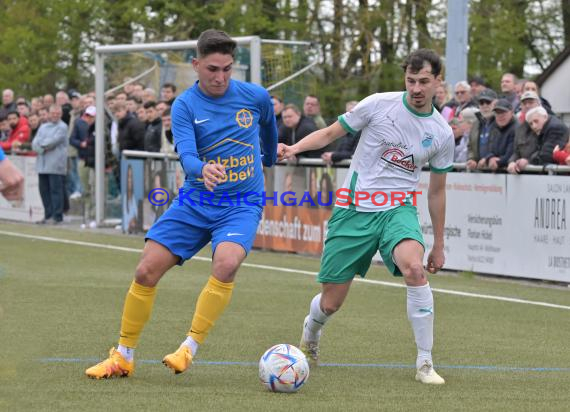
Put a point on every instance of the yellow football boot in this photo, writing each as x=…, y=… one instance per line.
x=114, y=365
x=180, y=360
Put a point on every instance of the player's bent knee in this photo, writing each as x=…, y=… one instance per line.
x=330, y=306
x=146, y=275
x=225, y=268
x=414, y=274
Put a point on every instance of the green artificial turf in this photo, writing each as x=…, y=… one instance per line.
x=60, y=309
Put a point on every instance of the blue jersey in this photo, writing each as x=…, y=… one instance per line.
x=225, y=130
x=1, y=154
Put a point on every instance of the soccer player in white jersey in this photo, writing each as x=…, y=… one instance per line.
x=401, y=131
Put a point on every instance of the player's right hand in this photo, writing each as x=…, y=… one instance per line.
x=213, y=173
x=285, y=152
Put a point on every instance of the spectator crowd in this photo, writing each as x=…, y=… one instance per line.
x=505, y=130
x=60, y=131
x=508, y=130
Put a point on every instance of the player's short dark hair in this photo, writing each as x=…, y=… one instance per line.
x=169, y=86
x=134, y=99
x=13, y=112
x=279, y=99
x=215, y=41
x=150, y=104
x=417, y=59
x=166, y=112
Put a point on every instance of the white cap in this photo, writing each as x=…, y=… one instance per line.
x=91, y=111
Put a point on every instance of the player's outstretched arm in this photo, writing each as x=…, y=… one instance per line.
x=316, y=140
x=436, y=206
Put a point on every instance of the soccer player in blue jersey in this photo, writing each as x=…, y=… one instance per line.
x=217, y=126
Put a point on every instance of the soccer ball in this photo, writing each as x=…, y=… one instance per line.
x=283, y=368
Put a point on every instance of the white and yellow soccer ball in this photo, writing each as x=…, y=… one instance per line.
x=283, y=368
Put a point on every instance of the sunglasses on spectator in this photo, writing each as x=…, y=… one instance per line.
x=484, y=102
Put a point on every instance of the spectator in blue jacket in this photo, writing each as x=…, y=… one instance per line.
x=51, y=145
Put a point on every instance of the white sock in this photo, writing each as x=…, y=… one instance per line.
x=128, y=353
x=421, y=314
x=192, y=344
x=315, y=321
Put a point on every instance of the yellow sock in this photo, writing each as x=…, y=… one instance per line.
x=211, y=303
x=136, y=312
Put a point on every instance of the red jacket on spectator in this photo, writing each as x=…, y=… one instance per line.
x=20, y=134
x=560, y=156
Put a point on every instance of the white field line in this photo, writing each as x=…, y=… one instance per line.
x=285, y=270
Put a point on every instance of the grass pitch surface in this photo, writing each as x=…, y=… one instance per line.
x=60, y=309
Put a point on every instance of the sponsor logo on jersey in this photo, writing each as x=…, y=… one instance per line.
x=398, y=159
x=393, y=145
x=244, y=118
x=427, y=140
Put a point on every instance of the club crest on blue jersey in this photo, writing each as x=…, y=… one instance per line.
x=244, y=118
x=427, y=139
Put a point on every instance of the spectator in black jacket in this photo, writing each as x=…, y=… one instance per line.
x=8, y=103
x=131, y=129
x=153, y=133
x=62, y=100
x=295, y=127
x=551, y=132
x=80, y=132
x=501, y=136
x=531, y=86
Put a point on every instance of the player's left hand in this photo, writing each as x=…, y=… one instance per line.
x=436, y=260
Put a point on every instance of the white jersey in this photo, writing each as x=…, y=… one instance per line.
x=395, y=143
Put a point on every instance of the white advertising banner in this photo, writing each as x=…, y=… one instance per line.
x=539, y=236
x=504, y=225
x=475, y=232
x=30, y=209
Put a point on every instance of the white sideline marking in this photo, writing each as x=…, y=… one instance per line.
x=285, y=270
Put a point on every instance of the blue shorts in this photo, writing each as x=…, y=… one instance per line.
x=185, y=229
